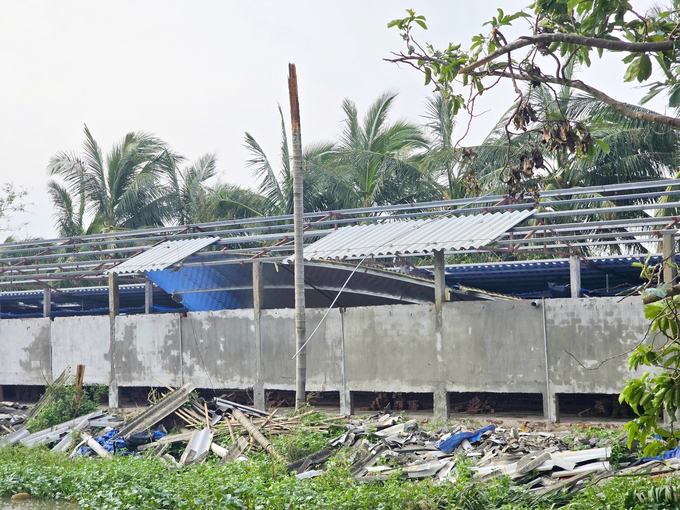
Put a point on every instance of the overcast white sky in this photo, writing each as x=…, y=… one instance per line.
x=199, y=74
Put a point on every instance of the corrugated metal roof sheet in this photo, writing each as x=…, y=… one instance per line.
x=162, y=256
x=415, y=236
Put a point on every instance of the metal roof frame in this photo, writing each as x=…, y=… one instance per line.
x=89, y=257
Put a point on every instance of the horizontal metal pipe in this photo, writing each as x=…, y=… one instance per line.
x=367, y=210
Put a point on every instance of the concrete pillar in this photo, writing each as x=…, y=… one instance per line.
x=47, y=302
x=259, y=397
x=2, y=393
x=575, y=276
x=668, y=246
x=551, y=407
x=440, y=396
x=439, y=278
x=346, y=398
x=148, y=297
x=114, y=308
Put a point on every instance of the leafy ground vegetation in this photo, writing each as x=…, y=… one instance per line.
x=66, y=403
x=261, y=483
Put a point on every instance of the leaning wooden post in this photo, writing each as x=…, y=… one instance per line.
x=114, y=308
x=80, y=375
x=300, y=324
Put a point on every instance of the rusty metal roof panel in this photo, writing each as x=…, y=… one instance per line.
x=415, y=236
x=162, y=256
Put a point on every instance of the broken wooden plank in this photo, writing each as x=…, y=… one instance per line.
x=256, y=434
x=96, y=447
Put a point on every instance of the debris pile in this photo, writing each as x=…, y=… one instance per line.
x=12, y=415
x=385, y=446
x=378, y=447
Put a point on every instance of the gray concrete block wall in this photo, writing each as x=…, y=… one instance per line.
x=82, y=340
x=483, y=346
x=218, y=349
x=324, y=350
x=25, y=351
x=148, y=348
x=592, y=330
x=494, y=346
x=390, y=348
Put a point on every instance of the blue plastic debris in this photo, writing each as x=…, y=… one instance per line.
x=114, y=446
x=670, y=454
x=450, y=444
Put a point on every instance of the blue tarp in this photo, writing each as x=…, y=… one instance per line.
x=670, y=454
x=115, y=446
x=450, y=444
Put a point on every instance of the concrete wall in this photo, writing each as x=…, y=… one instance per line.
x=494, y=346
x=148, y=348
x=324, y=350
x=497, y=346
x=592, y=330
x=81, y=341
x=380, y=339
x=218, y=349
x=25, y=351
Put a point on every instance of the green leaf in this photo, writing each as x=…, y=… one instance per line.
x=571, y=4
x=645, y=68
x=422, y=24
x=674, y=99
x=603, y=145
x=632, y=71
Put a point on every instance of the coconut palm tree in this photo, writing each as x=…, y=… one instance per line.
x=226, y=201
x=442, y=158
x=186, y=190
x=375, y=162
x=277, y=186
x=625, y=149
x=122, y=191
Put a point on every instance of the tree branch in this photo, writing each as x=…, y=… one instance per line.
x=579, y=40
x=577, y=84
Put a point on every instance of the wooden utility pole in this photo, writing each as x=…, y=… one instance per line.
x=300, y=324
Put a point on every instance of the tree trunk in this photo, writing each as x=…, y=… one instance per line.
x=300, y=324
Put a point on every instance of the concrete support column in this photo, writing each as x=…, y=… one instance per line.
x=551, y=407
x=551, y=410
x=259, y=397
x=148, y=297
x=2, y=393
x=441, y=396
x=114, y=308
x=668, y=246
x=47, y=302
x=575, y=276
x=346, y=398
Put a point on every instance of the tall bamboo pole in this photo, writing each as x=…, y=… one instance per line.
x=300, y=324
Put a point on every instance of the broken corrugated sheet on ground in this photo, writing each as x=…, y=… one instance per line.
x=12, y=415
x=379, y=447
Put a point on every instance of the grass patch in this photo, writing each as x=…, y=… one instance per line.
x=65, y=405
x=262, y=483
